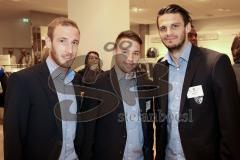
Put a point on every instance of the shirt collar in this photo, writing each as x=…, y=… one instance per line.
x=184, y=56
x=56, y=71
x=122, y=75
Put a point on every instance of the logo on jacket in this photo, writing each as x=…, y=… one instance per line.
x=198, y=100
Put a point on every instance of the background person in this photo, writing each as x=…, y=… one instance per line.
x=236, y=58
x=192, y=36
x=92, y=67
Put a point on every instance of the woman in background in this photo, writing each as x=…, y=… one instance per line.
x=92, y=67
x=236, y=58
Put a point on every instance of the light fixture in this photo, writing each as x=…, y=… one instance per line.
x=25, y=20
x=136, y=9
x=223, y=10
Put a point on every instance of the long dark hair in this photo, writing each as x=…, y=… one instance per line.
x=236, y=49
x=87, y=56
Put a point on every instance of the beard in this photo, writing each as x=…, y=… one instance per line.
x=65, y=65
x=177, y=46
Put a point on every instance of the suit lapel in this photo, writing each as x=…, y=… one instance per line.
x=161, y=80
x=76, y=82
x=114, y=82
x=79, y=126
x=48, y=86
x=116, y=89
x=142, y=102
x=142, y=106
x=194, y=59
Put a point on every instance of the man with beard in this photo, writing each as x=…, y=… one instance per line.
x=201, y=107
x=32, y=129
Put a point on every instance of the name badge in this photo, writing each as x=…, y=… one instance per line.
x=148, y=105
x=195, y=91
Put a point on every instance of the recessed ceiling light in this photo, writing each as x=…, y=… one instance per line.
x=209, y=15
x=223, y=10
x=136, y=9
x=16, y=0
x=25, y=20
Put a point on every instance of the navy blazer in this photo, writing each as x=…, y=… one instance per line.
x=212, y=128
x=31, y=129
x=110, y=134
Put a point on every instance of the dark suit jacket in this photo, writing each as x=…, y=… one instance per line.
x=110, y=131
x=211, y=129
x=31, y=130
x=89, y=76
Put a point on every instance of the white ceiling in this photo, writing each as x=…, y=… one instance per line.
x=11, y=8
x=199, y=9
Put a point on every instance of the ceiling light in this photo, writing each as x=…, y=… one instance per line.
x=136, y=10
x=209, y=15
x=223, y=10
x=25, y=20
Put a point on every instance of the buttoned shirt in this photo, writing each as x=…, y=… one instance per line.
x=174, y=150
x=134, y=143
x=65, y=91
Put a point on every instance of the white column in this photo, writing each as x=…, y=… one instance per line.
x=99, y=21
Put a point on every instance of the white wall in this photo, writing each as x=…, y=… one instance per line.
x=14, y=33
x=43, y=19
x=135, y=28
x=226, y=28
x=222, y=28
x=99, y=22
